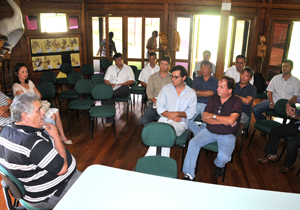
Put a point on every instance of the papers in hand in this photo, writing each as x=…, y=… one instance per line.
x=116, y=87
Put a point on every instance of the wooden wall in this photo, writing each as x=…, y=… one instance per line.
x=261, y=13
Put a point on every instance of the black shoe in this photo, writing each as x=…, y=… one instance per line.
x=218, y=172
x=188, y=178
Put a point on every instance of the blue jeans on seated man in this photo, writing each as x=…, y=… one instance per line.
x=192, y=124
x=259, y=109
x=149, y=115
x=226, y=144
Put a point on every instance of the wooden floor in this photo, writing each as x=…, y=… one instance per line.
x=124, y=151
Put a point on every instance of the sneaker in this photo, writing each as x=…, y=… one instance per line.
x=218, y=172
x=188, y=178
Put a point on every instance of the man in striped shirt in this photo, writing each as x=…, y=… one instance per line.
x=37, y=158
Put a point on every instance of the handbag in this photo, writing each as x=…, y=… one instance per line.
x=45, y=105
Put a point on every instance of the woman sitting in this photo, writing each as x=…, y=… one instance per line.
x=23, y=85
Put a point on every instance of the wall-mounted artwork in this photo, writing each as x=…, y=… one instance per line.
x=36, y=46
x=74, y=43
x=75, y=59
x=65, y=44
x=50, y=62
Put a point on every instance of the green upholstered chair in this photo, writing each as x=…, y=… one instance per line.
x=71, y=93
x=47, y=91
x=98, y=79
x=136, y=89
x=266, y=126
x=189, y=81
x=83, y=87
x=48, y=76
x=101, y=92
x=87, y=69
x=126, y=99
x=159, y=135
x=213, y=147
x=13, y=187
x=262, y=96
x=104, y=63
x=182, y=141
x=244, y=132
x=279, y=110
x=67, y=69
x=198, y=118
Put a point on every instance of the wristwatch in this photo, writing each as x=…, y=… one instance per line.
x=214, y=117
x=294, y=116
x=198, y=92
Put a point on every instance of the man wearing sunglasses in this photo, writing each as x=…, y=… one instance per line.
x=222, y=116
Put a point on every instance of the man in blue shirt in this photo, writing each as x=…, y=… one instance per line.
x=205, y=86
x=245, y=91
x=176, y=104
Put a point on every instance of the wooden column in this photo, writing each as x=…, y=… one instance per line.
x=222, y=40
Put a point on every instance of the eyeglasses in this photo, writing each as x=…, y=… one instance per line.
x=175, y=77
x=220, y=109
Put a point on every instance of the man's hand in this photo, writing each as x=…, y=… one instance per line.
x=171, y=115
x=177, y=119
x=290, y=111
x=113, y=85
x=271, y=105
x=207, y=115
x=52, y=130
x=234, y=124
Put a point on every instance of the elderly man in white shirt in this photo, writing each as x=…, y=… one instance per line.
x=150, y=69
x=119, y=76
x=176, y=104
x=234, y=71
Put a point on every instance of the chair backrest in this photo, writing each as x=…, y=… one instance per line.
x=102, y=91
x=87, y=69
x=84, y=86
x=15, y=186
x=98, y=79
x=47, y=90
x=136, y=72
x=159, y=134
x=66, y=68
x=279, y=108
x=189, y=81
x=48, y=76
x=74, y=77
x=104, y=63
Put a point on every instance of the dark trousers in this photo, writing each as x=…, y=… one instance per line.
x=122, y=91
x=283, y=131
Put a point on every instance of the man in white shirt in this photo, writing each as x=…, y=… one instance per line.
x=282, y=86
x=150, y=69
x=206, y=57
x=119, y=76
x=176, y=104
x=234, y=71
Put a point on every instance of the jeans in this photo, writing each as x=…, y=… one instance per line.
x=259, y=109
x=226, y=144
x=192, y=124
x=283, y=131
x=149, y=115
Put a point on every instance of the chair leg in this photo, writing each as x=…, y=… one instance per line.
x=244, y=134
x=77, y=114
x=182, y=157
x=92, y=119
x=127, y=110
x=114, y=123
x=298, y=172
x=251, y=138
x=224, y=172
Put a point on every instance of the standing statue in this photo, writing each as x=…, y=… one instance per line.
x=12, y=27
x=261, y=51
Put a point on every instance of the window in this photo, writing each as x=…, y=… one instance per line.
x=32, y=22
x=73, y=22
x=53, y=22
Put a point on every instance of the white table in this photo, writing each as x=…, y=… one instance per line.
x=102, y=187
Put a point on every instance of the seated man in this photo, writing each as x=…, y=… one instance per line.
x=222, y=115
x=176, y=104
x=245, y=91
x=155, y=83
x=234, y=71
x=150, y=69
x=119, y=76
x=5, y=103
x=206, y=57
x=282, y=86
x=282, y=131
x=42, y=163
x=205, y=86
